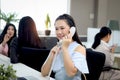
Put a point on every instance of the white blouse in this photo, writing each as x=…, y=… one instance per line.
x=78, y=59
x=105, y=48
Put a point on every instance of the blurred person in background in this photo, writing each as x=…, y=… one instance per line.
x=6, y=37
x=101, y=44
x=27, y=37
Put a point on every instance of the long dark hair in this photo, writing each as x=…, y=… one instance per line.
x=27, y=33
x=70, y=21
x=103, y=32
x=5, y=31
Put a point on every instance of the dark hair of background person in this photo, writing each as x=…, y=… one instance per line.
x=103, y=32
x=70, y=21
x=5, y=31
x=27, y=33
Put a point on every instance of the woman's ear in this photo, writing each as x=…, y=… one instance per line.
x=109, y=36
x=69, y=32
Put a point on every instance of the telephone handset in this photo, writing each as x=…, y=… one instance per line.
x=72, y=32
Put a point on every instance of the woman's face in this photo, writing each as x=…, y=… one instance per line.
x=62, y=29
x=10, y=31
x=109, y=37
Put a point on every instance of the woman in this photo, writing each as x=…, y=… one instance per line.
x=101, y=44
x=6, y=36
x=71, y=57
x=27, y=37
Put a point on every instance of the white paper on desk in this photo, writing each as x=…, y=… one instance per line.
x=30, y=78
x=34, y=78
x=4, y=60
x=27, y=72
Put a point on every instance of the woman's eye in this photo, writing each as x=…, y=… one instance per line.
x=62, y=28
x=56, y=29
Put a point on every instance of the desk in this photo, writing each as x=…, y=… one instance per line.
x=117, y=55
x=23, y=70
x=4, y=60
x=27, y=72
x=117, y=60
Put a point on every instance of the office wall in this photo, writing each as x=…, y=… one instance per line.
x=113, y=11
x=82, y=11
x=102, y=13
x=108, y=10
x=89, y=12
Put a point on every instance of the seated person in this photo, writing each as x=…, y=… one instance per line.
x=70, y=58
x=6, y=37
x=101, y=44
x=27, y=37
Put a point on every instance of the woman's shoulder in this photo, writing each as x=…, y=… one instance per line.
x=14, y=41
x=15, y=38
x=81, y=49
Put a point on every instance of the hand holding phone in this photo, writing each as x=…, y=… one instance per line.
x=113, y=47
x=72, y=32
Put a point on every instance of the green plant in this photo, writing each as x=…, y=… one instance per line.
x=9, y=17
x=7, y=73
x=47, y=21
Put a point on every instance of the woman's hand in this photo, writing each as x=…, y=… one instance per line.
x=113, y=48
x=66, y=41
x=6, y=39
x=47, y=65
x=54, y=50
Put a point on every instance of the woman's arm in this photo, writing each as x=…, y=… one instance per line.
x=68, y=63
x=4, y=49
x=4, y=46
x=48, y=63
x=113, y=47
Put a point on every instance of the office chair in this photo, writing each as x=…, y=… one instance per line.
x=110, y=74
x=107, y=68
x=33, y=57
x=95, y=61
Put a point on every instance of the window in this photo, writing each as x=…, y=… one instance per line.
x=37, y=9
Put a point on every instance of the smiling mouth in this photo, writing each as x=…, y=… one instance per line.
x=9, y=34
x=60, y=37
